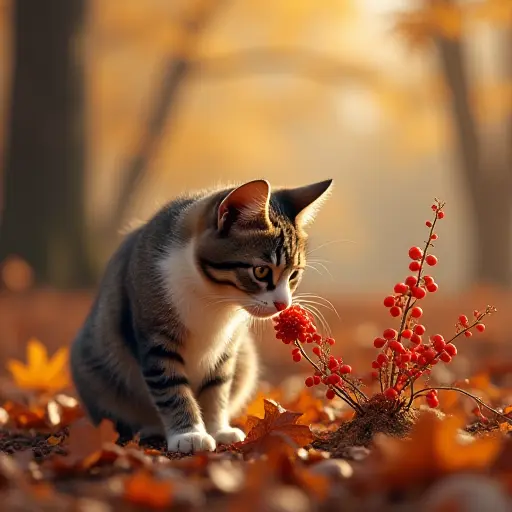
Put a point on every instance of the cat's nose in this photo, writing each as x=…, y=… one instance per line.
x=280, y=306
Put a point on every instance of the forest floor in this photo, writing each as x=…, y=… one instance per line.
x=53, y=459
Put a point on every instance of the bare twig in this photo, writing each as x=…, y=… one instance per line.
x=467, y=393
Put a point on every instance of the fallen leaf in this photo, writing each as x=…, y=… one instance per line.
x=275, y=421
x=40, y=373
x=144, y=490
x=85, y=444
x=433, y=450
x=257, y=407
x=22, y=416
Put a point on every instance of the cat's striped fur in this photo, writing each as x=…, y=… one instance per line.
x=165, y=349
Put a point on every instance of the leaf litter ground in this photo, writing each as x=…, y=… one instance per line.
x=289, y=461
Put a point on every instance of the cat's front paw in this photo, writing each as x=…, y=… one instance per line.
x=191, y=442
x=229, y=435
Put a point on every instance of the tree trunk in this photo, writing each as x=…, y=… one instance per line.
x=43, y=208
x=489, y=186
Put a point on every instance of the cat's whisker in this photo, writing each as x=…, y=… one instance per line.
x=321, y=265
x=319, y=297
x=330, y=243
x=315, y=303
x=318, y=314
x=313, y=268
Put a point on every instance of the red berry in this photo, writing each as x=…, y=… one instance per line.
x=397, y=347
x=391, y=393
x=428, y=224
x=428, y=280
x=316, y=338
x=437, y=338
x=316, y=351
x=389, y=334
x=445, y=357
x=407, y=333
x=431, y=260
x=395, y=311
x=440, y=214
x=432, y=402
x=416, y=312
x=416, y=339
x=463, y=319
x=468, y=334
x=297, y=357
x=379, y=342
x=480, y=327
x=434, y=207
x=309, y=382
x=451, y=349
x=382, y=359
x=438, y=342
x=415, y=253
x=432, y=287
x=411, y=280
x=414, y=266
x=434, y=236
x=405, y=358
x=476, y=313
x=401, y=288
x=345, y=368
x=418, y=292
x=419, y=329
x=375, y=375
x=330, y=394
x=375, y=365
x=317, y=380
x=334, y=379
x=429, y=354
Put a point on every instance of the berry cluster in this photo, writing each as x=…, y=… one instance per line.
x=405, y=354
x=296, y=325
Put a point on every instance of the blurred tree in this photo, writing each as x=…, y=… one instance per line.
x=176, y=70
x=43, y=218
x=485, y=161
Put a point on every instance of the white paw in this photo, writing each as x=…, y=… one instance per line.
x=191, y=442
x=229, y=435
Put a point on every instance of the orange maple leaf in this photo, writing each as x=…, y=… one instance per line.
x=41, y=373
x=143, y=489
x=277, y=421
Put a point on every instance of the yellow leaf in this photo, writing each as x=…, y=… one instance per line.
x=41, y=373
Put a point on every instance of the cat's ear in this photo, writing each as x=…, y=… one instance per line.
x=303, y=203
x=247, y=204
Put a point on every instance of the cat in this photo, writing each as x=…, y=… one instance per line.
x=165, y=349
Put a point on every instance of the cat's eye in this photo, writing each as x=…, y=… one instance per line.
x=294, y=275
x=261, y=273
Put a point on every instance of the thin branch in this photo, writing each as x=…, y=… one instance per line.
x=341, y=393
x=467, y=393
x=302, y=62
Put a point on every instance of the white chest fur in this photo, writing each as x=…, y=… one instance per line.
x=212, y=321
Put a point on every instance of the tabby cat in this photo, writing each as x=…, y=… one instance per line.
x=166, y=350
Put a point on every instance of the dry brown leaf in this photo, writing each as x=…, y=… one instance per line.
x=257, y=407
x=85, y=446
x=276, y=421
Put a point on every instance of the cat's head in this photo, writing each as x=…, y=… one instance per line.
x=252, y=248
